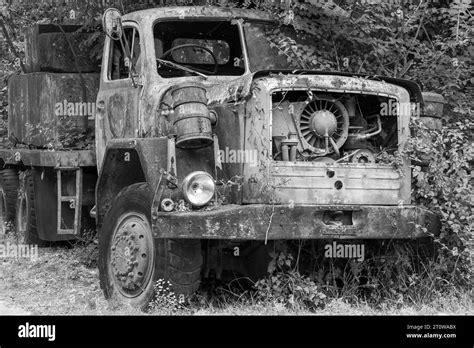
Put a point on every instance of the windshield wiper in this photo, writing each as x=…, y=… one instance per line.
x=177, y=66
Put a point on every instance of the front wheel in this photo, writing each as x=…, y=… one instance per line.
x=131, y=260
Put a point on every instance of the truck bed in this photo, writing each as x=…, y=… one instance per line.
x=46, y=158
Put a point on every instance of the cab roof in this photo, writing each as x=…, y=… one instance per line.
x=196, y=12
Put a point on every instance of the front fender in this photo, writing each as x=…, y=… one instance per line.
x=128, y=161
x=155, y=161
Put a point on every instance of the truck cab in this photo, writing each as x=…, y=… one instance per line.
x=225, y=141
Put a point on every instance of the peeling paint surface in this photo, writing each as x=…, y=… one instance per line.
x=307, y=182
x=253, y=222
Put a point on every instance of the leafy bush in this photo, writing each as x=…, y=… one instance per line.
x=444, y=186
x=393, y=273
x=86, y=248
x=285, y=285
x=442, y=183
x=165, y=300
x=62, y=134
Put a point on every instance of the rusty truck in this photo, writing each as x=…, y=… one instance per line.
x=204, y=137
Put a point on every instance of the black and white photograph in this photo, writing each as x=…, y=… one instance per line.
x=217, y=170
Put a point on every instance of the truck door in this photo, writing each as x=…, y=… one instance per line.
x=118, y=100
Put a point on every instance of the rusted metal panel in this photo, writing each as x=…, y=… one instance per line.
x=44, y=158
x=119, y=103
x=127, y=161
x=321, y=183
x=306, y=182
x=117, y=115
x=230, y=135
x=48, y=49
x=433, y=110
x=46, y=107
x=192, y=120
x=261, y=222
x=131, y=160
x=187, y=12
x=230, y=91
x=152, y=153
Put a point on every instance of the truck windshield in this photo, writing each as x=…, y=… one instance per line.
x=273, y=47
x=209, y=47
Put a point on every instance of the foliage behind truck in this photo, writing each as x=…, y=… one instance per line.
x=206, y=139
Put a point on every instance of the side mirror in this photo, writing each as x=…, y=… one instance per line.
x=112, y=23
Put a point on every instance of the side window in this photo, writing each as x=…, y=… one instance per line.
x=119, y=64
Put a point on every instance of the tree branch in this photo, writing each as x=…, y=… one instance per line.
x=10, y=42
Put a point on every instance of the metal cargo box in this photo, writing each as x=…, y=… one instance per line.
x=48, y=49
x=46, y=109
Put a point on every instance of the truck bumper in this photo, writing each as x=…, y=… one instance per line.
x=260, y=222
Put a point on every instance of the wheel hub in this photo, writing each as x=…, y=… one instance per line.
x=131, y=253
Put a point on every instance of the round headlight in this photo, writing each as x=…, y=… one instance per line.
x=198, y=188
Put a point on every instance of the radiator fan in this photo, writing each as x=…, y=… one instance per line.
x=324, y=125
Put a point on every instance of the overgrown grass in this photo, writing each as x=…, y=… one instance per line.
x=400, y=278
x=65, y=281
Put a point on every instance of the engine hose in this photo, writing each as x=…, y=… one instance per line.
x=369, y=135
x=334, y=146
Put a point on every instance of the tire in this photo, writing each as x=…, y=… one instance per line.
x=25, y=222
x=130, y=266
x=3, y=209
x=470, y=245
x=10, y=185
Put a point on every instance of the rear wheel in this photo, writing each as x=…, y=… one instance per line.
x=3, y=209
x=8, y=195
x=25, y=223
x=131, y=260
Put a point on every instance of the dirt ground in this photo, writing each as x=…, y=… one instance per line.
x=64, y=281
